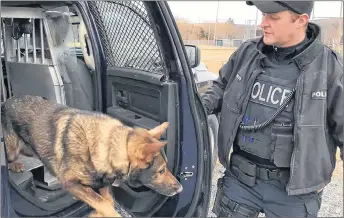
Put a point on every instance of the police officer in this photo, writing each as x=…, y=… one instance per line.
x=281, y=104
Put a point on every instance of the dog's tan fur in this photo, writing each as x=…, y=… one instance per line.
x=85, y=150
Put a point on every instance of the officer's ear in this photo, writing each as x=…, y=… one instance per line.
x=302, y=21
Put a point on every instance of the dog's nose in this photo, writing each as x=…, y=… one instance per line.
x=180, y=189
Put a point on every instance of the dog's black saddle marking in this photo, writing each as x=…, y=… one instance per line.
x=102, y=179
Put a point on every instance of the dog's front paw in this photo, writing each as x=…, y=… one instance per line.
x=16, y=167
x=95, y=214
x=112, y=213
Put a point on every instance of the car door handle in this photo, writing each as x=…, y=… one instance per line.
x=184, y=175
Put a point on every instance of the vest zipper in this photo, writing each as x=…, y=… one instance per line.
x=296, y=113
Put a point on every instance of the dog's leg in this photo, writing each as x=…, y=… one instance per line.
x=106, y=193
x=92, y=198
x=12, y=149
x=95, y=214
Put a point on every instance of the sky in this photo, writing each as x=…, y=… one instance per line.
x=205, y=11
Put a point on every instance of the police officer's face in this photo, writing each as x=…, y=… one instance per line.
x=284, y=28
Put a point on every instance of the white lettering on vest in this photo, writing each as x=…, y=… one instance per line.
x=284, y=95
x=255, y=95
x=260, y=96
x=266, y=93
x=319, y=95
x=273, y=94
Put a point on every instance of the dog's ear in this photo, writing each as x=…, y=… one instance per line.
x=153, y=148
x=159, y=130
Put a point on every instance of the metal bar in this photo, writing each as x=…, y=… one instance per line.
x=4, y=40
x=34, y=40
x=26, y=48
x=59, y=87
x=3, y=85
x=2, y=73
x=217, y=15
x=18, y=50
x=42, y=39
x=13, y=51
x=6, y=57
x=21, y=12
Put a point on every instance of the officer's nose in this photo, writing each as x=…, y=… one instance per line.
x=264, y=23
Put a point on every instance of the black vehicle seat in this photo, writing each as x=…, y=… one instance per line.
x=80, y=91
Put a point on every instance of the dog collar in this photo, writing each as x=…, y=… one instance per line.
x=117, y=182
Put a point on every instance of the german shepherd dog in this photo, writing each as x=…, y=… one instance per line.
x=87, y=151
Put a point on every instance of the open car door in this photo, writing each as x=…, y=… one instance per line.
x=148, y=81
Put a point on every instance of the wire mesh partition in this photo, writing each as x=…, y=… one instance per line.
x=127, y=35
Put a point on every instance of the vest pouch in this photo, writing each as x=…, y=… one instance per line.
x=283, y=142
x=243, y=169
x=255, y=143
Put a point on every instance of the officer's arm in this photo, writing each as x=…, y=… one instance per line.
x=335, y=109
x=212, y=98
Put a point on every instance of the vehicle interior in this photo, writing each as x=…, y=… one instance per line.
x=48, y=52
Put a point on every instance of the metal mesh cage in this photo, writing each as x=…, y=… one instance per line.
x=127, y=36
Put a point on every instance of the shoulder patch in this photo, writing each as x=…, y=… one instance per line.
x=319, y=94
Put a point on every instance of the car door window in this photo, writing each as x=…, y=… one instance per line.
x=129, y=38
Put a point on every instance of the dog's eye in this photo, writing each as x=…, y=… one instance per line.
x=162, y=171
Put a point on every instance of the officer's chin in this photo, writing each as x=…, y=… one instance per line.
x=268, y=40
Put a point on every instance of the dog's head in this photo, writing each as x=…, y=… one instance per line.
x=148, y=165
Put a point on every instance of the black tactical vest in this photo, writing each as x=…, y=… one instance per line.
x=273, y=144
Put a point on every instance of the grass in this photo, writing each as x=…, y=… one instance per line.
x=215, y=57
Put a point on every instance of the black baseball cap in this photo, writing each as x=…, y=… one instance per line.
x=298, y=7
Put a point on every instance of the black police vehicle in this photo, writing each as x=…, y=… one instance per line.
x=125, y=59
